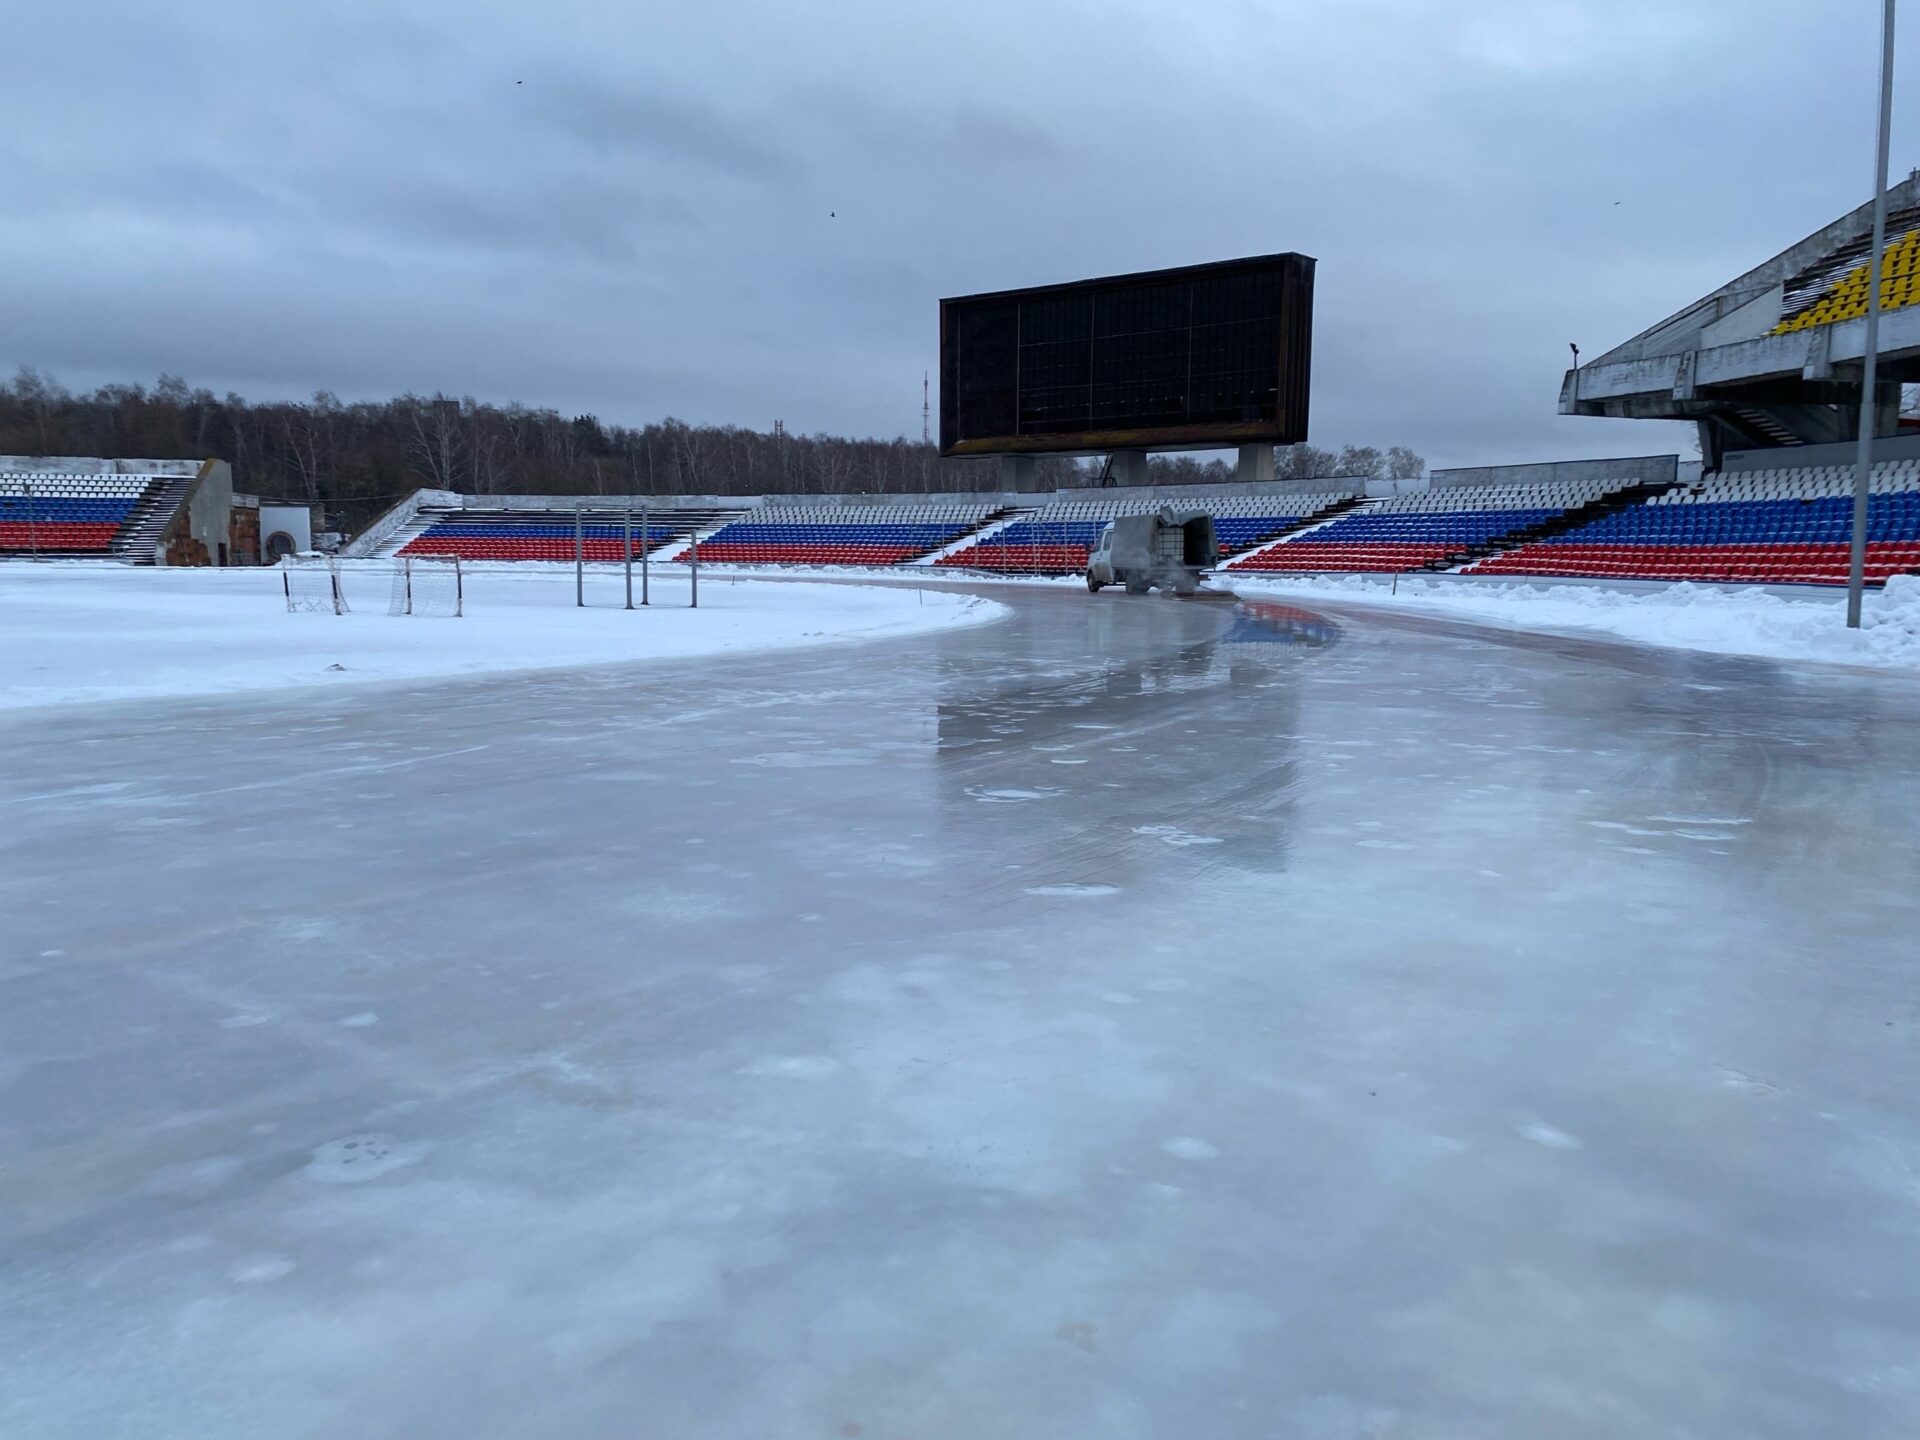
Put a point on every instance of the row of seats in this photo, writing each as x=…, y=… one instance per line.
x=1744, y=564
x=17, y=535
x=1312, y=554
x=1840, y=290
x=867, y=514
x=1889, y=517
x=77, y=513
x=537, y=530
x=840, y=534
x=725, y=552
x=77, y=487
x=555, y=547
x=98, y=511
x=1023, y=559
x=1551, y=496
x=1807, y=482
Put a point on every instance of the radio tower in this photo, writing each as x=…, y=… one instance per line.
x=926, y=412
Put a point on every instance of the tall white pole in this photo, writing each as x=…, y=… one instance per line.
x=626, y=549
x=1870, y=370
x=579, y=561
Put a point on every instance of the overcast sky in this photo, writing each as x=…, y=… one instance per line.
x=737, y=212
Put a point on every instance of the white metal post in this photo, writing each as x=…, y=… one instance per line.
x=579, y=561
x=646, y=529
x=33, y=528
x=626, y=549
x=1870, y=369
x=696, y=567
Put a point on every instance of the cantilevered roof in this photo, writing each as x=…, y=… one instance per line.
x=1786, y=337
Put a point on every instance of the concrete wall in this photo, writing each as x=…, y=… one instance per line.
x=208, y=508
x=94, y=465
x=1887, y=447
x=376, y=534
x=1385, y=489
x=1652, y=469
x=294, y=520
x=201, y=530
x=384, y=528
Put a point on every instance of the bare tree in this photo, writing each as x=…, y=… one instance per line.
x=1304, y=462
x=41, y=395
x=358, y=458
x=309, y=435
x=435, y=439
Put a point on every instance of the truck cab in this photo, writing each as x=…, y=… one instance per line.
x=1100, y=569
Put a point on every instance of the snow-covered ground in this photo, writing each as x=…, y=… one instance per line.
x=86, y=631
x=1750, y=621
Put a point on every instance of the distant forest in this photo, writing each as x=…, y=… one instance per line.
x=357, y=458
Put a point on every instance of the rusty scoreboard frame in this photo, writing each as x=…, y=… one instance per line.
x=1199, y=357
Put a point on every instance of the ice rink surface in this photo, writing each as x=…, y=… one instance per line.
x=1134, y=1019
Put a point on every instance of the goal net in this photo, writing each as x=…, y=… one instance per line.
x=427, y=585
x=312, y=582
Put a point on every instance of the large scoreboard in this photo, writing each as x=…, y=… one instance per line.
x=1198, y=357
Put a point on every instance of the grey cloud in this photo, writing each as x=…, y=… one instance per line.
x=746, y=211
x=641, y=119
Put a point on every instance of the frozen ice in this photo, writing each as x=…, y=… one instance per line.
x=941, y=1093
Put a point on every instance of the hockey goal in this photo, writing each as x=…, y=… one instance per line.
x=312, y=583
x=427, y=585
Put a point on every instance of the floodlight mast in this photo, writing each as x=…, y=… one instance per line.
x=1870, y=368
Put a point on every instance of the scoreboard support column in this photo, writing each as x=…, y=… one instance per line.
x=1255, y=465
x=1019, y=473
x=1130, y=467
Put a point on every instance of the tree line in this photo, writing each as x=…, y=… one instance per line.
x=356, y=458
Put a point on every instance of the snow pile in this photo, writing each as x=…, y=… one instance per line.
x=1691, y=617
x=90, y=631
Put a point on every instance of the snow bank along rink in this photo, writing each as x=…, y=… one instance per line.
x=89, y=631
x=1750, y=620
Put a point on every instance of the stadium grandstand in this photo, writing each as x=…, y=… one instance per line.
x=1784, y=525
x=543, y=528
x=995, y=533
x=1636, y=518
x=138, y=512
x=1442, y=527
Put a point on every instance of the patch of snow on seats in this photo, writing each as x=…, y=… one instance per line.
x=1750, y=621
